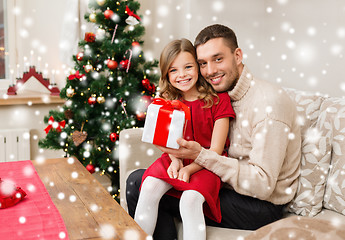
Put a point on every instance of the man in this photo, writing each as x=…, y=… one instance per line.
x=261, y=172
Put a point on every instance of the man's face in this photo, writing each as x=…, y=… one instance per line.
x=218, y=65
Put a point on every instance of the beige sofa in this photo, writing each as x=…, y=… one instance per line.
x=321, y=192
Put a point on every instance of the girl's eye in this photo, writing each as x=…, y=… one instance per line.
x=188, y=67
x=172, y=70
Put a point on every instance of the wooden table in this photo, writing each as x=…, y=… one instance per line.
x=88, y=210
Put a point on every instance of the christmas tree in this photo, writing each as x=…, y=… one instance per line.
x=108, y=89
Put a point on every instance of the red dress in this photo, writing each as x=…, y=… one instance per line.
x=198, y=129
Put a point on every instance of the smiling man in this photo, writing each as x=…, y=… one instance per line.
x=261, y=172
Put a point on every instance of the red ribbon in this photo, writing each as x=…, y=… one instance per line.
x=164, y=118
x=76, y=75
x=131, y=13
x=50, y=126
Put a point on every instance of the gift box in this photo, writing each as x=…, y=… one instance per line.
x=165, y=122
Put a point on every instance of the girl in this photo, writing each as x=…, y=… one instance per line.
x=209, y=125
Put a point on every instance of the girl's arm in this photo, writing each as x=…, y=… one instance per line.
x=175, y=165
x=219, y=136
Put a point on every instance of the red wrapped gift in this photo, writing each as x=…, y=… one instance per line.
x=165, y=122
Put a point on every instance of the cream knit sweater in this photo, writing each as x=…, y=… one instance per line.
x=265, y=143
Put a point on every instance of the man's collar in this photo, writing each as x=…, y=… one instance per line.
x=242, y=86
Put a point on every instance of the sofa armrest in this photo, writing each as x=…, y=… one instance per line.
x=133, y=154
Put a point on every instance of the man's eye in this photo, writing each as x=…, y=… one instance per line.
x=202, y=64
x=218, y=59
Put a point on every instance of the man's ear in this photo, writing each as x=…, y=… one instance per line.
x=238, y=55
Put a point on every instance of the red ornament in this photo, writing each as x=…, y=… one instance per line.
x=108, y=13
x=80, y=56
x=112, y=64
x=90, y=37
x=135, y=44
x=124, y=64
x=113, y=136
x=145, y=82
x=91, y=168
x=147, y=100
x=92, y=100
x=141, y=116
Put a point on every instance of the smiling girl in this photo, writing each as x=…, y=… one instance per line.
x=182, y=178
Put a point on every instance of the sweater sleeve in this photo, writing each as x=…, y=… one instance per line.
x=256, y=175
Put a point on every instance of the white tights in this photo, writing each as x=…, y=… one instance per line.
x=191, y=209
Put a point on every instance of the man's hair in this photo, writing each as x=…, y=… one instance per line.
x=217, y=31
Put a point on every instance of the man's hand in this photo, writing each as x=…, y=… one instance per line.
x=175, y=165
x=187, y=150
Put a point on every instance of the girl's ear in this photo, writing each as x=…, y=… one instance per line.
x=238, y=55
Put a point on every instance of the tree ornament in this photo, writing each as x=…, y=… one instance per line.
x=135, y=44
x=147, y=100
x=100, y=2
x=131, y=13
x=54, y=125
x=145, y=82
x=123, y=64
x=90, y=37
x=100, y=99
x=92, y=99
x=108, y=13
x=113, y=136
x=79, y=137
x=151, y=88
x=69, y=114
x=91, y=168
x=141, y=116
x=80, y=56
x=92, y=17
x=112, y=64
x=76, y=75
x=70, y=92
x=88, y=67
x=132, y=21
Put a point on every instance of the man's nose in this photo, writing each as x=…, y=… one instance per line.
x=211, y=69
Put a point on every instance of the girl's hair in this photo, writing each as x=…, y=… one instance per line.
x=167, y=91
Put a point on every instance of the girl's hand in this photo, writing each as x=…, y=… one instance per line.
x=184, y=174
x=175, y=166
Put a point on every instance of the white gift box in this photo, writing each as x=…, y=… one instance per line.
x=163, y=125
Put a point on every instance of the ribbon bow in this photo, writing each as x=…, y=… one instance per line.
x=53, y=124
x=76, y=75
x=131, y=13
x=173, y=104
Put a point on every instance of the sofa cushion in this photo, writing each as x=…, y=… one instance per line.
x=334, y=198
x=299, y=228
x=308, y=107
x=315, y=158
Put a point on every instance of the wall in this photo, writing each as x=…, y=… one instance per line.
x=297, y=44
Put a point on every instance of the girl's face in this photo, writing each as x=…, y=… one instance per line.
x=183, y=75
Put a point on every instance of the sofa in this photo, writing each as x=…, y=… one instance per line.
x=320, y=198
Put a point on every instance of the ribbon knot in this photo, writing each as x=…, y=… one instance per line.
x=131, y=13
x=76, y=75
x=173, y=104
x=55, y=125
